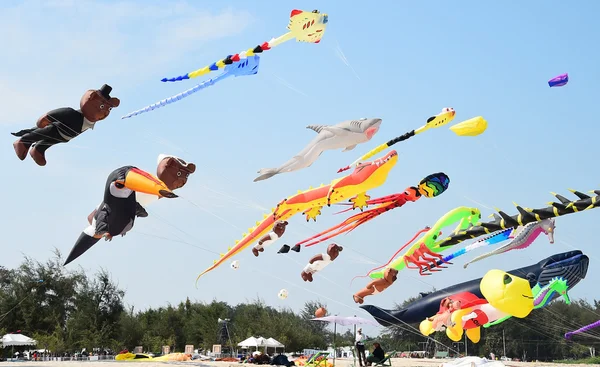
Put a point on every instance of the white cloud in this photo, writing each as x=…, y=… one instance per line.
x=53, y=48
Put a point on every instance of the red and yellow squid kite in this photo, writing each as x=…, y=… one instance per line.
x=431, y=186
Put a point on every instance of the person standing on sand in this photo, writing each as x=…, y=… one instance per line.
x=360, y=348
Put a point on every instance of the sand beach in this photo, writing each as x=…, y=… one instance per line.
x=396, y=362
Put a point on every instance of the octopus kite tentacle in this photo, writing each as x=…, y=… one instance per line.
x=431, y=186
x=389, y=199
x=385, y=204
x=423, y=252
x=393, y=256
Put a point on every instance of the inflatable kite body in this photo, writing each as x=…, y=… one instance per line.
x=320, y=261
x=559, y=81
x=522, y=237
x=504, y=221
x=499, y=306
x=571, y=266
x=423, y=251
x=431, y=186
x=116, y=214
x=376, y=286
x=365, y=177
x=440, y=119
x=247, y=67
x=542, y=296
x=345, y=135
x=303, y=26
x=63, y=124
x=471, y=127
x=269, y=238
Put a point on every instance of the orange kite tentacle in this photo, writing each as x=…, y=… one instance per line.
x=329, y=230
x=394, y=256
x=341, y=228
x=389, y=199
x=384, y=203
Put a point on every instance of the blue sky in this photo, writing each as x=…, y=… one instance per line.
x=407, y=61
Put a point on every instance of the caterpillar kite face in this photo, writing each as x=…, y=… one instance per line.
x=434, y=185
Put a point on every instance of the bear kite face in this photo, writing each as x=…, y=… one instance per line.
x=279, y=228
x=334, y=250
x=96, y=104
x=390, y=274
x=173, y=171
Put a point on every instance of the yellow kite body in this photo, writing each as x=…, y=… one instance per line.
x=471, y=127
x=441, y=119
x=507, y=293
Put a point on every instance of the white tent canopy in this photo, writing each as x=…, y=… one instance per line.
x=250, y=342
x=15, y=340
x=260, y=342
x=274, y=343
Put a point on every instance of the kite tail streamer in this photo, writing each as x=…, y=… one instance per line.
x=178, y=97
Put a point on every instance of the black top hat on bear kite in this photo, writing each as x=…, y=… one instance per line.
x=105, y=91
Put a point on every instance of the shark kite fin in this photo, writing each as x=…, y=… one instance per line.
x=316, y=128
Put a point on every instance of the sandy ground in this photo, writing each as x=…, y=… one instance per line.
x=396, y=362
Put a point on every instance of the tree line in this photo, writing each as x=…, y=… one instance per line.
x=67, y=310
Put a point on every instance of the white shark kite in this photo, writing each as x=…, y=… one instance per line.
x=347, y=135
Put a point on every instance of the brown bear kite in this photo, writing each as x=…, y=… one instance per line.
x=63, y=124
x=269, y=238
x=377, y=285
x=320, y=261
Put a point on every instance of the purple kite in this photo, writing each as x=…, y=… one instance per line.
x=582, y=330
x=559, y=81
